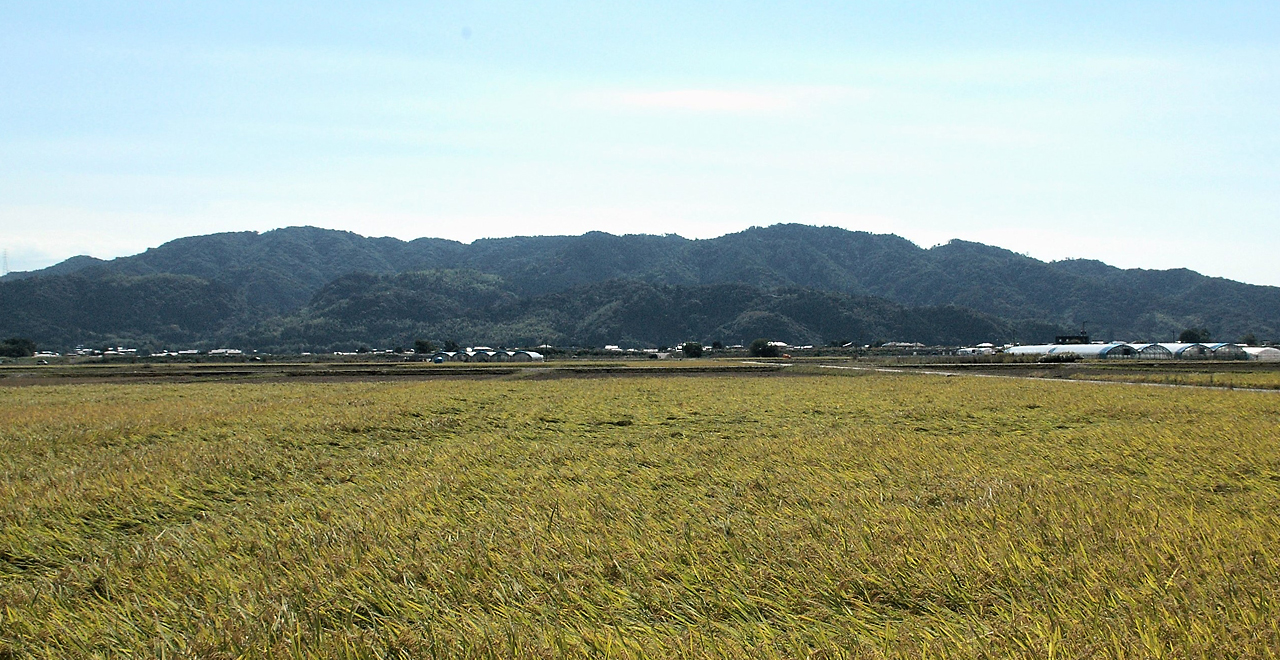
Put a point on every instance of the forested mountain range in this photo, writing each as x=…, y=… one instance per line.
x=309, y=288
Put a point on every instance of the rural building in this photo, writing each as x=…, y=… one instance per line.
x=1262, y=353
x=526, y=356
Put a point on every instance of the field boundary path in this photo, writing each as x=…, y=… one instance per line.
x=309, y=372
x=331, y=372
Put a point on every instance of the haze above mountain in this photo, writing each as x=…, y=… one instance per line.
x=309, y=288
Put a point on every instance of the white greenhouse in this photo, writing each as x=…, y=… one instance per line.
x=1188, y=351
x=1087, y=351
x=1262, y=353
x=1152, y=352
x=1227, y=351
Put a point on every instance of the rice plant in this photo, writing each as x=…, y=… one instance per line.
x=866, y=516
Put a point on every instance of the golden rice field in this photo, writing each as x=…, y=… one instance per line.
x=861, y=516
x=1259, y=379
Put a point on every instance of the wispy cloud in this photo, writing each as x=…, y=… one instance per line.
x=719, y=101
x=706, y=100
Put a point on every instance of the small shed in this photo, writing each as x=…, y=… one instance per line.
x=526, y=356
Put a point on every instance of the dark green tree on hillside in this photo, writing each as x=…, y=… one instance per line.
x=17, y=347
x=761, y=348
x=1249, y=339
x=1194, y=335
x=423, y=346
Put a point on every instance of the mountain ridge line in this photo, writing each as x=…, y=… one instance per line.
x=252, y=280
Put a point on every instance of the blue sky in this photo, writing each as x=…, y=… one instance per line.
x=1142, y=134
